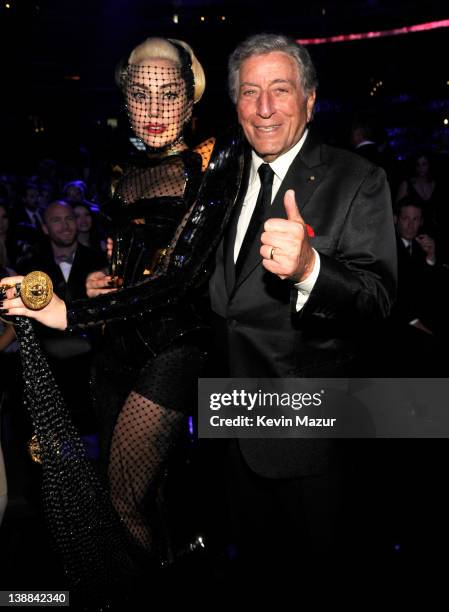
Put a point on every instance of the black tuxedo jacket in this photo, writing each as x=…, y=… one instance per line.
x=420, y=287
x=369, y=151
x=346, y=201
x=86, y=260
x=20, y=216
x=26, y=232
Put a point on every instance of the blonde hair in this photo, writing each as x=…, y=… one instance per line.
x=164, y=48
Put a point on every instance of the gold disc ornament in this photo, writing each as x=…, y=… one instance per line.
x=36, y=290
x=34, y=449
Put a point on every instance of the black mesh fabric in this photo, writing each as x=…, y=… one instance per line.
x=150, y=203
x=83, y=524
x=143, y=437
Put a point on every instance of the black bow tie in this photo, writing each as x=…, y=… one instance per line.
x=64, y=258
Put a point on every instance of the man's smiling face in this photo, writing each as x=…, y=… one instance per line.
x=272, y=107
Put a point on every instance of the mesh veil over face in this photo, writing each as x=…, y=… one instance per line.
x=158, y=100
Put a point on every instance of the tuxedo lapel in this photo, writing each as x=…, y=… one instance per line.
x=55, y=273
x=304, y=176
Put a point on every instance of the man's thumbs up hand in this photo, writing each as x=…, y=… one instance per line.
x=285, y=244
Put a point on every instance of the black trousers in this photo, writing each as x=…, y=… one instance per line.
x=282, y=525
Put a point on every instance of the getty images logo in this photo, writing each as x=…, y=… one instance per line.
x=261, y=399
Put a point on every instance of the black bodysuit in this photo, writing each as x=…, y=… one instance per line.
x=167, y=227
x=157, y=349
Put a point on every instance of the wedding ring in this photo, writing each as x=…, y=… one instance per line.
x=272, y=252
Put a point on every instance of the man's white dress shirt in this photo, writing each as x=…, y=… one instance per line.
x=280, y=168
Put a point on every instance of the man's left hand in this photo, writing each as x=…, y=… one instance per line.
x=285, y=249
x=428, y=245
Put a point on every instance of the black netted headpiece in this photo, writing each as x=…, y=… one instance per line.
x=186, y=69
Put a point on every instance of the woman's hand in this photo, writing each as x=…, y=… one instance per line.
x=53, y=315
x=97, y=283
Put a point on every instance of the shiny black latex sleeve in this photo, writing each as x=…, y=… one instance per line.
x=189, y=252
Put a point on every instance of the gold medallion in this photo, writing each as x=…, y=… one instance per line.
x=36, y=290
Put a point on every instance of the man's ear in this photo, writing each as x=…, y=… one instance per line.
x=44, y=229
x=310, y=105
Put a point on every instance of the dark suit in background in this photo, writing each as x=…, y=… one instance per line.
x=413, y=269
x=369, y=151
x=409, y=349
x=28, y=231
x=85, y=261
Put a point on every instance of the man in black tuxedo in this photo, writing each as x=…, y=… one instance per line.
x=307, y=264
x=417, y=326
x=416, y=260
x=61, y=256
x=27, y=220
x=28, y=211
x=363, y=140
x=365, y=136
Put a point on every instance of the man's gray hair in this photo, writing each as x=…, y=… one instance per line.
x=260, y=44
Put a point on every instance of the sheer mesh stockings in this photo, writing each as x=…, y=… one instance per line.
x=142, y=439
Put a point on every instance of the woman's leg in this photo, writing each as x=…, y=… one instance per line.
x=143, y=437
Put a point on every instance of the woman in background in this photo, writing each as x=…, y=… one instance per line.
x=87, y=225
x=422, y=187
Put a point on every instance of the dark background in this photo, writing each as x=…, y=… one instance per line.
x=59, y=56
x=57, y=95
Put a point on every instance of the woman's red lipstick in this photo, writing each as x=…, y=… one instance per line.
x=155, y=128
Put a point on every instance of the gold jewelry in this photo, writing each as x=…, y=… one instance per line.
x=272, y=252
x=36, y=290
x=34, y=449
x=116, y=282
x=173, y=149
x=4, y=288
